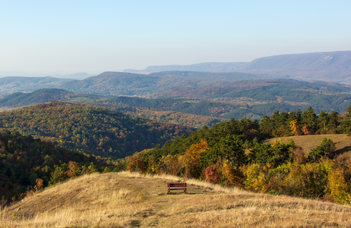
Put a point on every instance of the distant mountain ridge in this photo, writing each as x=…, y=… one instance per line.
x=325, y=66
x=204, y=67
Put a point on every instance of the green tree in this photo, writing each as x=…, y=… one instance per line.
x=230, y=148
x=325, y=149
x=309, y=119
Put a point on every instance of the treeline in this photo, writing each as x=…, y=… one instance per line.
x=233, y=154
x=94, y=130
x=305, y=123
x=27, y=165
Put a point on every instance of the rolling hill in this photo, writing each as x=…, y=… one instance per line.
x=143, y=108
x=9, y=85
x=248, y=98
x=130, y=84
x=93, y=130
x=262, y=97
x=127, y=200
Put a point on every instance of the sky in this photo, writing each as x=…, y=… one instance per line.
x=40, y=38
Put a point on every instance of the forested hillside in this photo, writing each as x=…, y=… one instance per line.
x=250, y=98
x=128, y=84
x=28, y=165
x=264, y=97
x=93, y=130
x=135, y=106
x=233, y=154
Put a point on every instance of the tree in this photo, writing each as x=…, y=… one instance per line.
x=309, y=119
x=266, y=126
x=322, y=122
x=191, y=158
x=325, y=149
x=295, y=128
x=333, y=122
x=230, y=148
x=58, y=175
x=73, y=169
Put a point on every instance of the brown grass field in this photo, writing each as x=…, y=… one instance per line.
x=308, y=142
x=130, y=200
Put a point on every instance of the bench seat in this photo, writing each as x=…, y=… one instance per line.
x=176, y=186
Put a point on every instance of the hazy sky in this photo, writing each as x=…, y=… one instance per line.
x=63, y=37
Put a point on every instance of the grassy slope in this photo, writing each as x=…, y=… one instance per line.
x=127, y=200
x=308, y=142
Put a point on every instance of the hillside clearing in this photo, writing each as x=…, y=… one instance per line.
x=308, y=142
x=130, y=200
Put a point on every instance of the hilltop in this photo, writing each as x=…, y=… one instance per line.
x=125, y=200
x=308, y=142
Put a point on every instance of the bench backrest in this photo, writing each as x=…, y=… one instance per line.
x=176, y=185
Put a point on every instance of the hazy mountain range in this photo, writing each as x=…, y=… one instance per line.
x=326, y=66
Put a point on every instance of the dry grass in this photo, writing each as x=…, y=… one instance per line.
x=308, y=142
x=131, y=200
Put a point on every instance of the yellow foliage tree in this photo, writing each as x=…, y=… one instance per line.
x=295, y=128
x=255, y=179
x=337, y=187
x=234, y=176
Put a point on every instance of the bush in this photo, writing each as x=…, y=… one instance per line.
x=325, y=149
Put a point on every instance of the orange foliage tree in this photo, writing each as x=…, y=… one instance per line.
x=191, y=158
x=73, y=169
x=131, y=166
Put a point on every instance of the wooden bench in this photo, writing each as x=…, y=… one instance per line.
x=176, y=186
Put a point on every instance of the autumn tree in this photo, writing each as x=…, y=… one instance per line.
x=73, y=169
x=131, y=166
x=191, y=158
x=295, y=128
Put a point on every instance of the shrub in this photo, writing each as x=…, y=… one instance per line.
x=325, y=149
x=337, y=188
